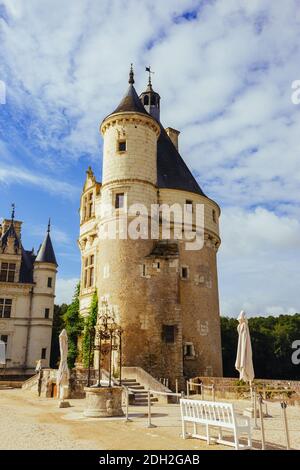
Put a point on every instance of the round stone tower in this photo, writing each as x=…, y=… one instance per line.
x=165, y=296
x=129, y=178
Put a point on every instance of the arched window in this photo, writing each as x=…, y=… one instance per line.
x=153, y=100
x=146, y=100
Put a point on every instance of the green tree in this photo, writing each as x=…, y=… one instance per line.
x=89, y=325
x=58, y=326
x=74, y=326
x=271, y=338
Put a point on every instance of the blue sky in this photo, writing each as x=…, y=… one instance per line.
x=224, y=71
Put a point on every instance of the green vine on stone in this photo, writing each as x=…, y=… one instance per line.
x=89, y=325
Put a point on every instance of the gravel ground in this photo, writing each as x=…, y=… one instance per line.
x=28, y=422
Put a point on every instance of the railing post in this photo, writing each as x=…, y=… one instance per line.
x=150, y=425
x=255, y=409
x=127, y=405
x=283, y=405
x=213, y=392
x=176, y=389
x=261, y=417
x=187, y=388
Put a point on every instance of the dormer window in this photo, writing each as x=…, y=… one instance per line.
x=7, y=272
x=122, y=146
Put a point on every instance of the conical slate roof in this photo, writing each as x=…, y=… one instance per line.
x=130, y=102
x=46, y=253
x=172, y=172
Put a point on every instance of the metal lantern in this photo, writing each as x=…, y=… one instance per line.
x=105, y=338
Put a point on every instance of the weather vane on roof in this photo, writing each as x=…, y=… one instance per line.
x=148, y=69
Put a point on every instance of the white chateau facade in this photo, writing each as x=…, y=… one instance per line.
x=27, y=292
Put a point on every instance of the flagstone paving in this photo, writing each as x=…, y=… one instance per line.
x=28, y=422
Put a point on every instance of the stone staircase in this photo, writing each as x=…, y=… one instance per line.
x=140, y=395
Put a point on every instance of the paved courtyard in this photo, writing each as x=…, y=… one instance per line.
x=28, y=422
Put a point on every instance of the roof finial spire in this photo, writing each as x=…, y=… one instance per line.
x=13, y=212
x=49, y=225
x=148, y=69
x=131, y=75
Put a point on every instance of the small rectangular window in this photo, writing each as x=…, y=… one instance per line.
x=49, y=283
x=47, y=312
x=214, y=216
x=189, y=205
x=184, y=272
x=7, y=273
x=122, y=145
x=4, y=338
x=144, y=272
x=5, y=308
x=44, y=353
x=119, y=202
x=169, y=333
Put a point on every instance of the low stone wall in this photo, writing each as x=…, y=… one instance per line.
x=231, y=388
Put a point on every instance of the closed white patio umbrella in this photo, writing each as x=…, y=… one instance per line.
x=244, y=363
x=63, y=373
x=2, y=353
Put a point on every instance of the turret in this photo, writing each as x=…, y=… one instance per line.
x=44, y=277
x=129, y=153
x=150, y=99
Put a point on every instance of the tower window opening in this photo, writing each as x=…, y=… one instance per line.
x=49, y=282
x=214, y=217
x=89, y=271
x=44, y=353
x=146, y=100
x=119, y=201
x=90, y=205
x=184, y=272
x=168, y=333
x=47, y=312
x=153, y=100
x=189, y=350
x=189, y=205
x=122, y=146
x=5, y=308
x=7, y=273
x=144, y=271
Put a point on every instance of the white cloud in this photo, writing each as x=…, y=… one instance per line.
x=65, y=289
x=17, y=175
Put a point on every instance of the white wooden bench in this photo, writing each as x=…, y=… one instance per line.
x=218, y=415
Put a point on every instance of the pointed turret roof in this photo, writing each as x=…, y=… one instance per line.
x=172, y=171
x=130, y=102
x=46, y=252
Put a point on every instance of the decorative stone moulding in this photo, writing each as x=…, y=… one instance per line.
x=128, y=118
x=103, y=402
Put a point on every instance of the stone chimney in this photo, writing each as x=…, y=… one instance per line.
x=173, y=134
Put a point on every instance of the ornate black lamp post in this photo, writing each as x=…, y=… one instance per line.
x=106, y=338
